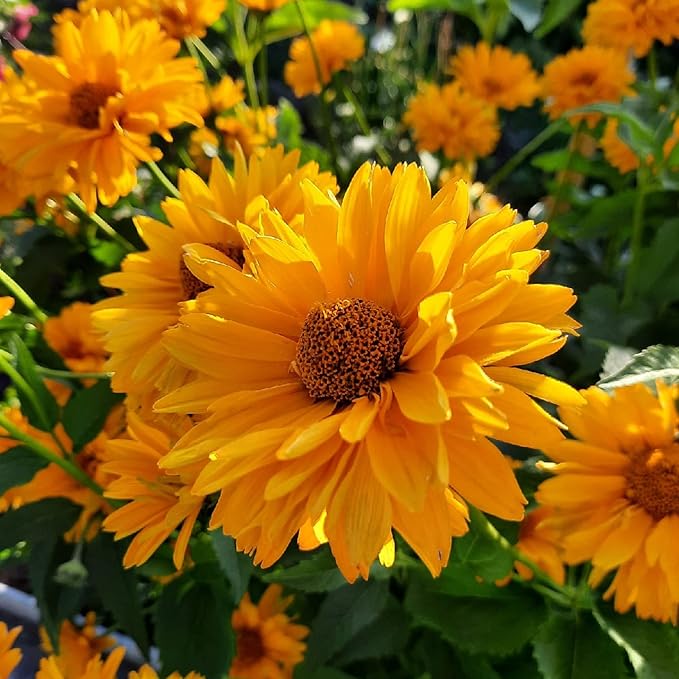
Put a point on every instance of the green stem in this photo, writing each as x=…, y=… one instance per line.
x=19, y=293
x=163, y=179
x=637, y=235
x=652, y=67
x=263, y=63
x=207, y=53
x=101, y=223
x=68, y=375
x=72, y=469
x=243, y=53
x=523, y=153
x=191, y=47
x=251, y=83
x=564, y=172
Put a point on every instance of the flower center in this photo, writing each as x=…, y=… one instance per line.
x=653, y=481
x=584, y=79
x=347, y=348
x=249, y=646
x=85, y=102
x=192, y=286
x=491, y=85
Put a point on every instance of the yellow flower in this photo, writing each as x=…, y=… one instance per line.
x=584, y=76
x=72, y=335
x=9, y=657
x=203, y=147
x=249, y=128
x=450, y=119
x=263, y=5
x=227, y=93
x=352, y=379
x=147, y=672
x=336, y=43
x=631, y=24
x=76, y=646
x=95, y=669
x=615, y=495
x=481, y=203
x=6, y=305
x=496, y=75
x=157, y=285
x=268, y=644
x=90, y=109
x=158, y=503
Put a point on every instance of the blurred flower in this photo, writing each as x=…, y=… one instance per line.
x=263, y=5
x=157, y=285
x=91, y=113
x=631, y=24
x=226, y=94
x=268, y=644
x=20, y=24
x=147, y=672
x=95, y=669
x=615, y=495
x=203, y=147
x=585, y=76
x=336, y=43
x=450, y=119
x=6, y=305
x=72, y=335
x=336, y=370
x=76, y=646
x=158, y=503
x=249, y=128
x=496, y=75
x=9, y=657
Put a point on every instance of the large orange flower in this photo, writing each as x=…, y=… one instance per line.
x=352, y=379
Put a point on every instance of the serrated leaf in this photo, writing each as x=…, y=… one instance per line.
x=193, y=628
x=86, y=412
x=495, y=626
x=575, y=647
x=318, y=573
x=116, y=586
x=658, y=362
x=236, y=566
x=615, y=359
x=33, y=522
x=18, y=465
x=556, y=12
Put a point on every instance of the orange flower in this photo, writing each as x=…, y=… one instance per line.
x=263, y=5
x=227, y=93
x=95, y=669
x=250, y=128
x=9, y=657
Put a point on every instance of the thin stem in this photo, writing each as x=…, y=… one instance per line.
x=251, y=83
x=533, y=145
x=72, y=469
x=637, y=236
x=207, y=53
x=564, y=173
x=191, y=47
x=652, y=67
x=101, y=223
x=19, y=293
x=163, y=179
x=68, y=375
x=263, y=63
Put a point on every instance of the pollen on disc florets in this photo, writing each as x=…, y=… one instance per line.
x=249, y=646
x=347, y=348
x=85, y=102
x=192, y=286
x=653, y=481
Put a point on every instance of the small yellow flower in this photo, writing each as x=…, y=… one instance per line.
x=336, y=43
x=496, y=75
x=9, y=656
x=95, y=669
x=268, y=644
x=249, y=128
x=6, y=305
x=226, y=94
x=450, y=119
x=147, y=672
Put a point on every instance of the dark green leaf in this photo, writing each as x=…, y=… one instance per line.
x=528, y=12
x=193, y=628
x=35, y=521
x=86, y=412
x=18, y=466
x=556, y=12
x=116, y=586
x=657, y=279
x=570, y=647
x=318, y=573
x=658, y=362
x=236, y=566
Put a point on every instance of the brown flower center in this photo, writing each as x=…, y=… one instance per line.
x=249, y=646
x=491, y=86
x=85, y=102
x=653, y=481
x=584, y=79
x=347, y=348
x=192, y=286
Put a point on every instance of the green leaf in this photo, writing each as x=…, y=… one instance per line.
x=35, y=521
x=575, y=647
x=528, y=12
x=343, y=615
x=658, y=362
x=499, y=625
x=193, y=628
x=116, y=586
x=556, y=12
x=109, y=253
x=318, y=573
x=653, y=648
x=86, y=412
x=615, y=359
x=658, y=270
x=18, y=466
x=236, y=566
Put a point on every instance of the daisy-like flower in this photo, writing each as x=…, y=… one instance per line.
x=352, y=379
x=249, y=128
x=10, y=657
x=336, y=44
x=227, y=93
x=452, y=120
x=496, y=75
x=95, y=668
x=615, y=495
x=72, y=335
x=157, y=285
x=158, y=503
x=631, y=24
x=584, y=76
x=90, y=110
x=147, y=672
x=268, y=644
